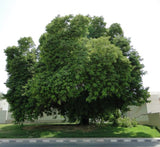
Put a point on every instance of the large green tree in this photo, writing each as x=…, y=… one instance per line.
x=84, y=70
x=20, y=61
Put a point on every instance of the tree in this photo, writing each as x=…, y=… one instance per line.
x=83, y=74
x=20, y=61
x=62, y=56
x=83, y=70
x=115, y=30
x=97, y=27
x=136, y=93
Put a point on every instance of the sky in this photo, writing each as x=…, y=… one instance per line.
x=139, y=19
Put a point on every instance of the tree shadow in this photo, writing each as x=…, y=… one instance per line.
x=121, y=132
x=68, y=130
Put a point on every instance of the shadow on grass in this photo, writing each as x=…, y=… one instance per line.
x=123, y=132
x=74, y=131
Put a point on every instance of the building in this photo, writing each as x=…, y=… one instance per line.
x=4, y=106
x=148, y=113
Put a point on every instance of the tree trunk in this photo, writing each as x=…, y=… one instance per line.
x=84, y=121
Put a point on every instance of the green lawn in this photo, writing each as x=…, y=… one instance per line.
x=58, y=131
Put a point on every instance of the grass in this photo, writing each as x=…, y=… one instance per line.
x=62, y=131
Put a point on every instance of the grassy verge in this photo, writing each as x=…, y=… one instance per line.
x=58, y=131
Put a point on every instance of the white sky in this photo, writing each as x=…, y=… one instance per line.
x=140, y=20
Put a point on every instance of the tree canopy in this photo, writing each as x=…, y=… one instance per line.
x=81, y=68
x=20, y=61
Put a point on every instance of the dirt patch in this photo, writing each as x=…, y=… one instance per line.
x=66, y=128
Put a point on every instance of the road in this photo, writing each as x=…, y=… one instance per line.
x=77, y=142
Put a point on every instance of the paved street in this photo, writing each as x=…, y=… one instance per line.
x=77, y=142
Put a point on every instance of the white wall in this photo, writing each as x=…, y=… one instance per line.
x=4, y=105
x=154, y=105
x=144, y=113
x=3, y=117
x=139, y=113
x=154, y=119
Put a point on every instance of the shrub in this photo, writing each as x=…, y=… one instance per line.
x=126, y=122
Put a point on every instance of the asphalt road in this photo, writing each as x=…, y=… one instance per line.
x=80, y=143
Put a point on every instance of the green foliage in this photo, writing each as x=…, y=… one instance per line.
x=117, y=120
x=83, y=70
x=123, y=43
x=97, y=27
x=126, y=122
x=20, y=61
x=115, y=30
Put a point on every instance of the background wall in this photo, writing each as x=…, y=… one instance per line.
x=139, y=114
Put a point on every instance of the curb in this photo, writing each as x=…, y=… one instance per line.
x=82, y=140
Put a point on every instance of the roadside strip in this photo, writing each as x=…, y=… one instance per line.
x=79, y=140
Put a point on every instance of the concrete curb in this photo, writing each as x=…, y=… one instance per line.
x=81, y=140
